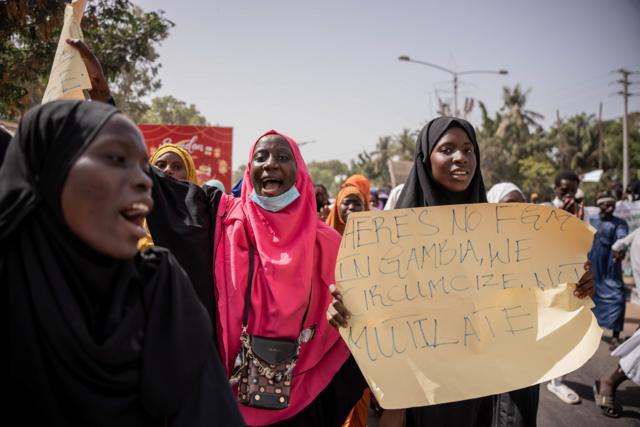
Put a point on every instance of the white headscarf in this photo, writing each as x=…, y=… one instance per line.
x=393, y=198
x=498, y=191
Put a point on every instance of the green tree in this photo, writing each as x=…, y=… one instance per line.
x=537, y=173
x=515, y=148
x=512, y=144
x=517, y=122
x=612, y=141
x=383, y=153
x=489, y=125
x=493, y=155
x=169, y=110
x=329, y=173
x=365, y=164
x=375, y=164
x=576, y=143
x=496, y=155
x=404, y=144
x=121, y=35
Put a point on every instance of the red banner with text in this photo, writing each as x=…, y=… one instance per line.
x=210, y=147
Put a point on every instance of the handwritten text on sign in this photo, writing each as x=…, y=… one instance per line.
x=69, y=76
x=455, y=302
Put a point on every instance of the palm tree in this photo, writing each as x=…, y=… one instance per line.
x=577, y=143
x=516, y=120
x=405, y=144
x=383, y=152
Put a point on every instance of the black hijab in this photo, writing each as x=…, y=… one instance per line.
x=92, y=340
x=183, y=221
x=5, y=137
x=421, y=189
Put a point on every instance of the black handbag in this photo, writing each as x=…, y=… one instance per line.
x=263, y=369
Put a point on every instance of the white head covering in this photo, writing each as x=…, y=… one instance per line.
x=393, y=198
x=498, y=191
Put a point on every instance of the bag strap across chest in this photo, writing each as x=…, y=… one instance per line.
x=247, y=298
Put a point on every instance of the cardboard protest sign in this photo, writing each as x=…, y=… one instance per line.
x=456, y=302
x=69, y=76
x=209, y=146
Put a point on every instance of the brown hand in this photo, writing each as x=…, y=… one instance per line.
x=100, y=88
x=618, y=256
x=337, y=313
x=569, y=205
x=393, y=418
x=585, y=286
x=580, y=211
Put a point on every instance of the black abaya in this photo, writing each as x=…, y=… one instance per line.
x=94, y=340
x=421, y=189
x=182, y=221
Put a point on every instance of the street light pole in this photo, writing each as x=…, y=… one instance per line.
x=455, y=75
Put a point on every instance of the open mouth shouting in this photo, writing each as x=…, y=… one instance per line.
x=273, y=166
x=134, y=215
x=271, y=186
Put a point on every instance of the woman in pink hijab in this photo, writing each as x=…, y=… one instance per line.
x=293, y=264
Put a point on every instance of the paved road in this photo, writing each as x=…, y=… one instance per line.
x=553, y=412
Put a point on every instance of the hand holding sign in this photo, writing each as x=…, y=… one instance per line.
x=99, y=86
x=337, y=314
x=69, y=76
x=464, y=301
x=585, y=286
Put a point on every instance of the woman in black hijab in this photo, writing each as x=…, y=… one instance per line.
x=5, y=137
x=423, y=189
x=446, y=171
x=99, y=335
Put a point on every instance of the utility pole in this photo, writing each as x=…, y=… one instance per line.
x=600, y=136
x=625, y=130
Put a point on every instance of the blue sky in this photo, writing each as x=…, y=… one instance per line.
x=328, y=71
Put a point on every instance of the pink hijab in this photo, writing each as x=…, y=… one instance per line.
x=295, y=255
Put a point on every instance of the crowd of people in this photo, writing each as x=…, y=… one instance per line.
x=136, y=297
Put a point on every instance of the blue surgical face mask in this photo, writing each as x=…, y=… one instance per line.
x=277, y=203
